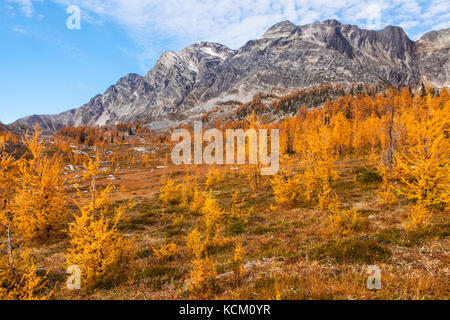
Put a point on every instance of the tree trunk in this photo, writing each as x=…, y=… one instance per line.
x=390, y=151
x=10, y=252
x=93, y=199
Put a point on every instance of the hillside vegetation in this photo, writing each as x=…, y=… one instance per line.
x=363, y=180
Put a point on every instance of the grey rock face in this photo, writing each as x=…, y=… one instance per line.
x=287, y=57
x=432, y=57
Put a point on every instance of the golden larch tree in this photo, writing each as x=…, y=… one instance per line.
x=40, y=204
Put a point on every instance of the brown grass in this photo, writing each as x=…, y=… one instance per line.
x=289, y=252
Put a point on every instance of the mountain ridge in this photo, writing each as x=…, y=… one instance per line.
x=183, y=85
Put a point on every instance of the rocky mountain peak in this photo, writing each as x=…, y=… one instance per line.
x=432, y=53
x=280, y=30
x=331, y=22
x=130, y=79
x=206, y=75
x=210, y=49
x=436, y=39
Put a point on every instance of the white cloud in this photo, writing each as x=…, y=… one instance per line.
x=435, y=9
x=409, y=24
x=442, y=25
x=408, y=7
x=19, y=29
x=233, y=22
x=26, y=6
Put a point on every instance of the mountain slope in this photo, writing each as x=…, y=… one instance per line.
x=432, y=57
x=287, y=57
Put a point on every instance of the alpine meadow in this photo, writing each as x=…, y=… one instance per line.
x=310, y=163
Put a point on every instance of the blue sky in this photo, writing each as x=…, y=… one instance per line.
x=47, y=68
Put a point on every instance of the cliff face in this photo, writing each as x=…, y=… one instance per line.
x=287, y=57
x=432, y=53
